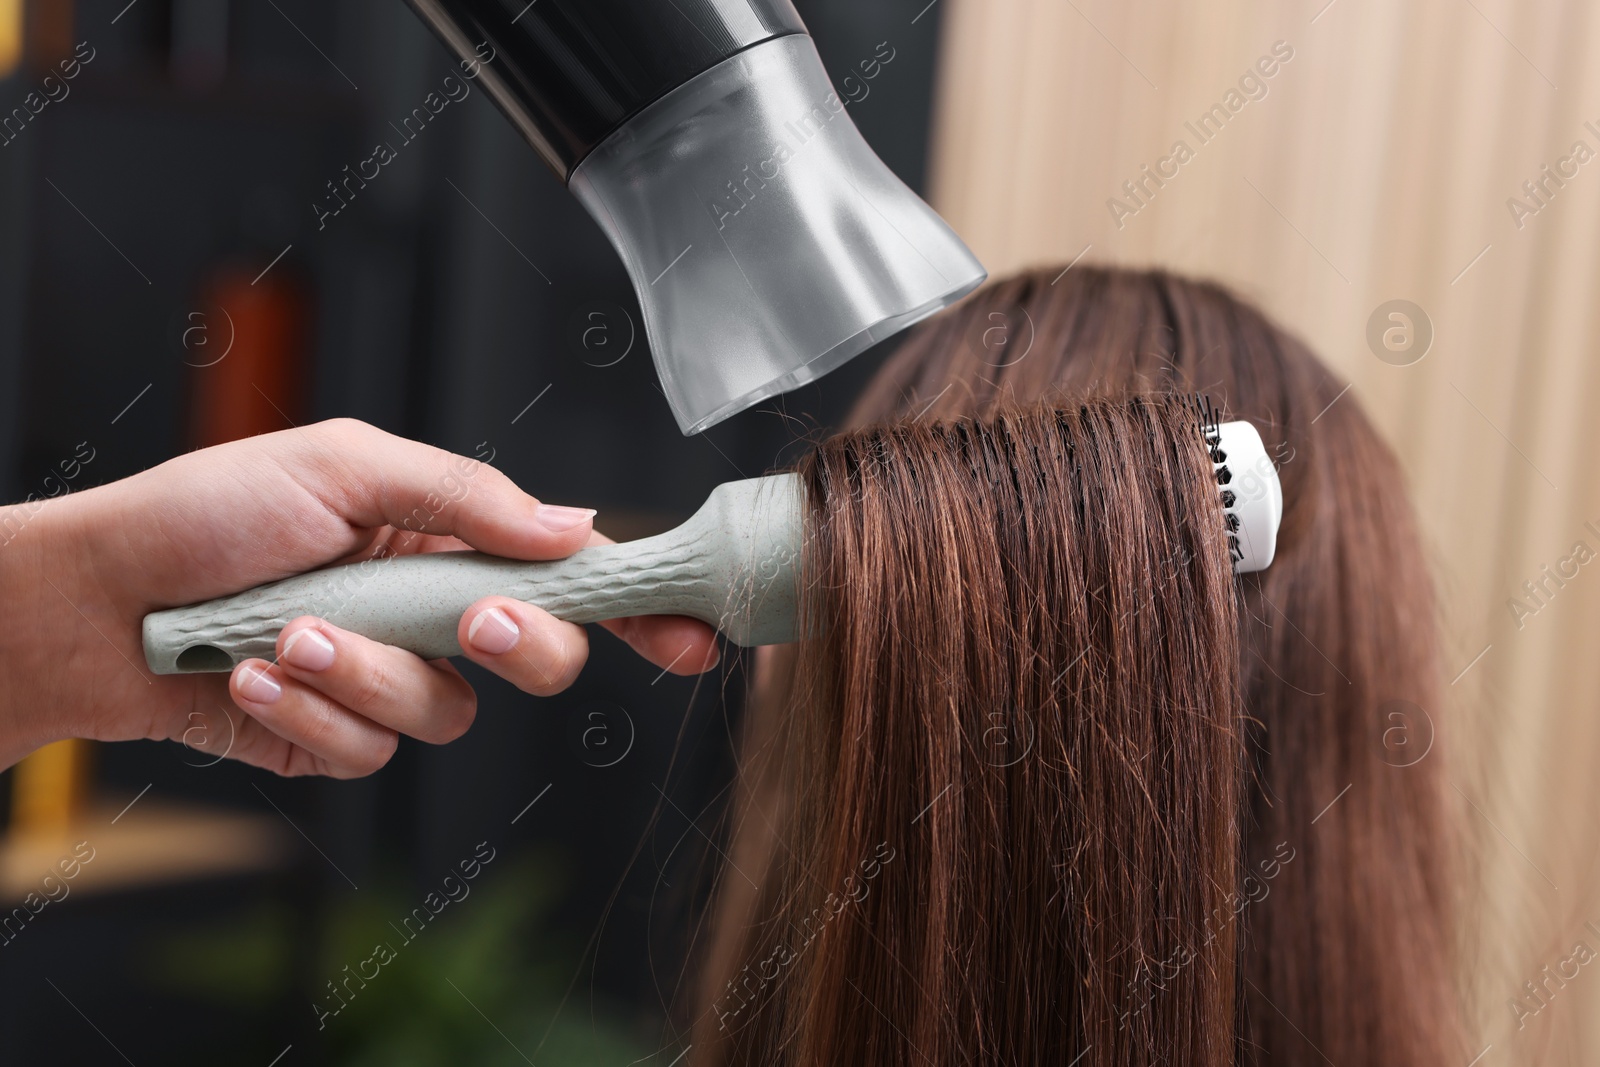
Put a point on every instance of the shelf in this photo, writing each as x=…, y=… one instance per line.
x=150, y=844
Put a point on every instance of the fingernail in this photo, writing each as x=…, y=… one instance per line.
x=315, y=653
x=257, y=685
x=492, y=632
x=558, y=519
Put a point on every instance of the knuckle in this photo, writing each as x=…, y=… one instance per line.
x=498, y=481
x=334, y=436
x=348, y=428
x=373, y=689
x=558, y=667
x=319, y=727
x=286, y=762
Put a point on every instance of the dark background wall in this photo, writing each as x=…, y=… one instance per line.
x=442, y=302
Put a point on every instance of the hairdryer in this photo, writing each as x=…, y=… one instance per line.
x=766, y=241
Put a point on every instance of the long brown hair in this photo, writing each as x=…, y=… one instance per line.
x=1329, y=853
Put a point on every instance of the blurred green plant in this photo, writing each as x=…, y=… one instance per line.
x=483, y=983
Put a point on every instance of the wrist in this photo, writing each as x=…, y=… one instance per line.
x=41, y=650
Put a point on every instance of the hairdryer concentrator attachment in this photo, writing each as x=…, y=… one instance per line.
x=734, y=564
x=765, y=240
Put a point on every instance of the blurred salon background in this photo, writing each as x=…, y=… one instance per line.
x=176, y=271
x=172, y=275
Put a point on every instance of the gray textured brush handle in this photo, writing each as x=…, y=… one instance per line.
x=732, y=565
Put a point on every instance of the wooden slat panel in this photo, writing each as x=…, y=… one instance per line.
x=1377, y=166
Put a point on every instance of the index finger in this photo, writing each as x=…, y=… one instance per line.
x=675, y=643
x=371, y=478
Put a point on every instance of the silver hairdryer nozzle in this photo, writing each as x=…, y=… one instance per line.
x=767, y=243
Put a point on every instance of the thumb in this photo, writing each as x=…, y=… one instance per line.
x=371, y=478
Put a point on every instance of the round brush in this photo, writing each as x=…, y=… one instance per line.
x=733, y=564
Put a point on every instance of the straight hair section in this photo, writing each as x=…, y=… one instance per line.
x=1006, y=780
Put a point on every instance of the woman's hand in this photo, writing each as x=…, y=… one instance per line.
x=81, y=572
